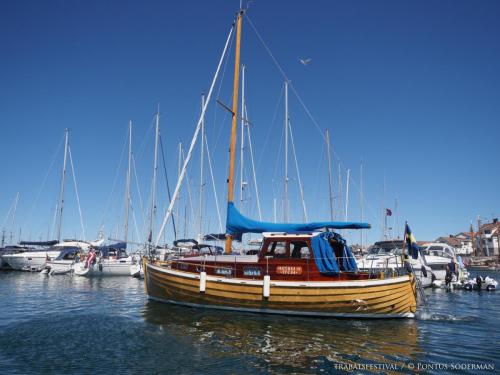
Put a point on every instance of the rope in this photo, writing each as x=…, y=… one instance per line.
x=253, y=169
x=168, y=185
x=108, y=202
x=213, y=184
x=193, y=141
x=44, y=181
x=76, y=191
x=298, y=174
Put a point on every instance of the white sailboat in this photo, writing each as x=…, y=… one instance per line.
x=385, y=255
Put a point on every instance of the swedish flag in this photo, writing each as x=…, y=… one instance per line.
x=411, y=242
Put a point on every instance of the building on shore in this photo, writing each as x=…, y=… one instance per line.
x=488, y=239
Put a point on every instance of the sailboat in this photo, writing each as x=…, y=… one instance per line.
x=111, y=260
x=304, y=269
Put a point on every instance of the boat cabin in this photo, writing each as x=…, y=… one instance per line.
x=283, y=256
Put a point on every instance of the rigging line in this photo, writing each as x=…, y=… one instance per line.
x=213, y=184
x=253, y=167
x=298, y=173
x=44, y=181
x=278, y=161
x=188, y=186
x=195, y=136
x=220, y=88
x=10, y=210
x=108, y=202
x=166, y=178
x=370, y=208
x=139, y=193
x=76, y=191
x=290, y=83
x=273, y=123
x=135, y=221
x=225, y=115
x=146, y=137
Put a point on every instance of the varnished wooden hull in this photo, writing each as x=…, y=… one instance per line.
x=379, y=298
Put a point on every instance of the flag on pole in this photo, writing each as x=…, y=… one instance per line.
x=411, y=242
x=388, y=212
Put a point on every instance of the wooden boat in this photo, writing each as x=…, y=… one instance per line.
x=279, y=283
x=301, y=269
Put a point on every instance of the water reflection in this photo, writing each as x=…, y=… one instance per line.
x=288, y=343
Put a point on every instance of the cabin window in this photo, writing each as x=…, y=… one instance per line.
x=276, y=249
x=299, y=249
x=435, y=248
x=69, y=256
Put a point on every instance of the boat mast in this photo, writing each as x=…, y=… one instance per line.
x=347, y=193
x=242, y=146
x=202, y=152
x=61, y=197
x=330, y=173
x=179, y=161
x=285, y=203
x=361, y=198
x=155, y=169
x=232, y=146
x=127, y=186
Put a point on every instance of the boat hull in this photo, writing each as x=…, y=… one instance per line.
x=111, y=268
x=29, y=261
x=380, y=298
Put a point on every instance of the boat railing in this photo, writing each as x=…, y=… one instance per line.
x=390, y=269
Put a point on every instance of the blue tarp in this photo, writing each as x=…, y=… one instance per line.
x=324, y=255
x=237, y=223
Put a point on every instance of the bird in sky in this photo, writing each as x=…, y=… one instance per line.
x=305, y=61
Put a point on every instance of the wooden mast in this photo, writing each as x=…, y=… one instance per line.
x=232, y=145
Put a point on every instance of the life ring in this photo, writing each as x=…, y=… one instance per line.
x=468, y=286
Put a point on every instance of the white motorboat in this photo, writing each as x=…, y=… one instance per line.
x=14, y=249
x=387, y=255
x=438, y=256
x=34, y=259
x=64, y=262
x=109, y=260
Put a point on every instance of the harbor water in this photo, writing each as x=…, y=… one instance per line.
x=69, y=324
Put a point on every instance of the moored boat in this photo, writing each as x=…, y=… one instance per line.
x=109, y=260
x=283, y=279
x=301, y=269
x=389, y=254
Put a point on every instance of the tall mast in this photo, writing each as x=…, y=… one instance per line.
x=361, y=198
x=179, y=161
x=347, y=193
x=61, y=197
x=232, y=145
x=329, y=173
x=155, y=169
x=340, y=194
x=202, y=152
x=285, y=203
x=127, y=186
x=242, y=146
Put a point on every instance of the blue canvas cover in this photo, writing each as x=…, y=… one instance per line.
x=237, y=223
x=324, y=255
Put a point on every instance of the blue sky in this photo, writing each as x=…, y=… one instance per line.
x=411, y=88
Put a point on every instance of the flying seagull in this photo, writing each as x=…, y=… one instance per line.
x=305, y=61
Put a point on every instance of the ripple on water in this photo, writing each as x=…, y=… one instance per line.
x=77, y=325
